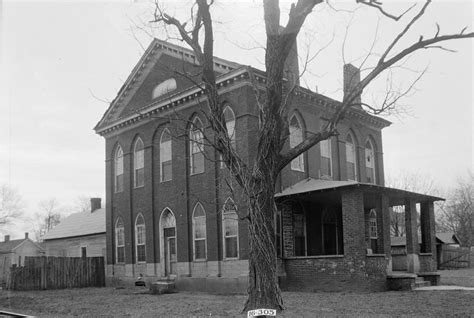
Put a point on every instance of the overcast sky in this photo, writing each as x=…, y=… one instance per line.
x=61, y=61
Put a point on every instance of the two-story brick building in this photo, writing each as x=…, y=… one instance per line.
x=169, y=210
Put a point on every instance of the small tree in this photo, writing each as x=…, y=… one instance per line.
x=11, y=205
x=457, y=213
x=48, y=216
x=257, y=178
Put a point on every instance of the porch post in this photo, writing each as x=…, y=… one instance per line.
x=287, y=231
x=428, y=242
x=353, y=223
x=384, y=237
x=413, y=262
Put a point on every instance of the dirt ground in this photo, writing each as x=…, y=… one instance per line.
x=136, y=302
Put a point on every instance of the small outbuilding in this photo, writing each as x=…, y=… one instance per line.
x=79, y=235
x=13, y=253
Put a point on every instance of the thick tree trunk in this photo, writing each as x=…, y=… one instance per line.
x=263, y=291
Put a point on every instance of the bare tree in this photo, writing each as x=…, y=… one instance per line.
x=48, y=216
x=457, y=213
x=11, y=205
x=413, y=182
x=274, y=96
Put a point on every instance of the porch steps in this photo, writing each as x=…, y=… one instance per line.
x=420, y=282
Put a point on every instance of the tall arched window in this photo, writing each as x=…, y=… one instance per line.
x=296, y=137
x=164, y=88
x=326, y=158
x=373, y=235
x=199, y=232
x=139, y=163
x=165, y=156
x=230, y=224
x=118, y=170
x=119, y=241
x=369, y=162
x=229, y=118
x=351, y=158
x=196, y=147
x=140, y=238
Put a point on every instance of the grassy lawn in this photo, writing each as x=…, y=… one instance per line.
x=135, y=302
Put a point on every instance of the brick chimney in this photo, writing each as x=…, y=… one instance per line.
x=26, y=235
x=351, y=79
x=291, y=69
x=7, y=238
x=95, y=204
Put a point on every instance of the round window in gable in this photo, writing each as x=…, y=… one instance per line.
x=164, y=88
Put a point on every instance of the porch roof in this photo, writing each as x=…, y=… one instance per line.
x=310, y=186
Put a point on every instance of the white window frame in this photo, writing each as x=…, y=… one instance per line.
x=196, y=145
x=322, y=145
x=139, y=242
x=138, y=163
x=370, y=164
x=351, y=148
x=228, y=214
x=195, y=220
x=119, y=231
x=118, y=169
x=164, y=87
x=166, y=155
x=296, y=137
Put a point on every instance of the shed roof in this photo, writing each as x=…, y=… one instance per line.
x=445, y=238
x=6, y=247
x=79, y=224
x=310, y=185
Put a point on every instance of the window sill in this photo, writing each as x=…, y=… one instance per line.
x=230, y=259
x=196, y=173
x=426, y=254
x=201, y=260
x=297, y=170
x=141, y=263
x=314, y=257
x=139, y=187
x=375, y=255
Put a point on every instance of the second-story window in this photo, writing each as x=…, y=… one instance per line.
x=351, y=158
x=139, y=163
x=369, y=162
x=229, y=118
x=118, y=170
x=326, y=158
x=165, y=156
x=196, y=147
x=296, y=137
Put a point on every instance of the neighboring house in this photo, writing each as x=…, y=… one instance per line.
x=78, y=235
x=13, y=253
x=169, y=209
x=399, y=250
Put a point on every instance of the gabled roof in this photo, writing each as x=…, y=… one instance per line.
x=444, y=238
x=79, y=224
x=448, y=238
x=7, y=247
x=227, y=74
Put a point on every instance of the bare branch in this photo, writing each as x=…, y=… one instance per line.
x=378, y=5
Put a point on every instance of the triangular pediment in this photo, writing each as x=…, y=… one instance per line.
x=169, y=66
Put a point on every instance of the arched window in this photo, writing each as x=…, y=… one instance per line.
x=373, y=224
x=196, y=147
x=230, y=224
x=351, y=158
x=199, y=232
x=164, y=88
x=139, y=163
x=369, y=162
x=326, y=158
x=119, y=241
x=165, y=156
x=229, y=118
x=140, y=238
x=296, y=137
x=118, y=170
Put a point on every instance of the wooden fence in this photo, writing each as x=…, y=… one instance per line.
x=57, y=273
x=454, y=257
